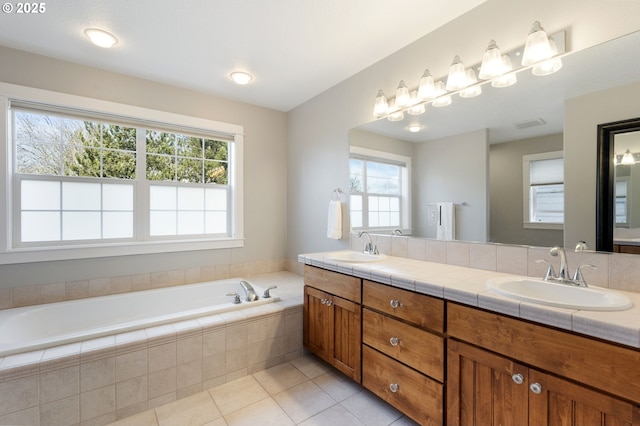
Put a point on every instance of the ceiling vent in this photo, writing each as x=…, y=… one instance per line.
x=525, y=124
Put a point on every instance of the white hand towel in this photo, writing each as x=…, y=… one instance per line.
x=446, y=228
x=334, y=222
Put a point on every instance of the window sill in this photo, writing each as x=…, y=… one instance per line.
x=542, y=225
x=24, y=255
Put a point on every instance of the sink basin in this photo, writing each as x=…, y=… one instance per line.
x=560, y=295
x=355, y=256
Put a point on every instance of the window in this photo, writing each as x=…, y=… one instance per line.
x=622, y=206
x=543, y=177
x=379, y=187
x=90, y=180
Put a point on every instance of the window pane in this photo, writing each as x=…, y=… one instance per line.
x=32, y=127
x=82, y=162
x=547, y=203
x=160, y=143
x=189, y=170
x=216, y=150
x=216, y=172
x=356, y=175
x=117, y=225
x=356, y=202
x=81, y=225
x=190, y=198
x=119, y=164
x=40, y=226
x=118, y=137
x=216, y=222
x=190, y=147
x=40, y=195
x=117, y=197
x=356, y=219
x=161, y=167
x=190, y=223
x=81, y=196
x=163, y=197
x=216, y=199
x=39, y=158
x=162, y=223
x=373, y=218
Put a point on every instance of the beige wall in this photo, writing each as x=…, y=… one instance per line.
x=318, y=130
x=265, y=172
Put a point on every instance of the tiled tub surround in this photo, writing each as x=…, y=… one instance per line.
x=98, y=381
x=467, y=285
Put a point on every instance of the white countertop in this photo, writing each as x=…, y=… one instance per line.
x=468, y=286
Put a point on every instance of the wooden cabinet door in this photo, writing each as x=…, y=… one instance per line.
x=554, y=401
x=316, y=318
x=482, y=390
x=346, y=338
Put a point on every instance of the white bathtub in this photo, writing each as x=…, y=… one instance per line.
x=42, y=326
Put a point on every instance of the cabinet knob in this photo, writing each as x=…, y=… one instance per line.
x=393, y=387
x=394, y=303
x=535, y=387
x=518, y=378
x=329, y=303
x=323, y=301
x=394, y=341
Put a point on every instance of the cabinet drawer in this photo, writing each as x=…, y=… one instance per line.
x=609, y=367
x=414, y=394
x=417, y=348
x=341, y=285
x=419, y=309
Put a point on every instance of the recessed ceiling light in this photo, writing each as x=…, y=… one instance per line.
x=241, y=77
x=414, y=128
x=100, y=37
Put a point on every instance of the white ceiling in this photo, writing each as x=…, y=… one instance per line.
x=295, y=49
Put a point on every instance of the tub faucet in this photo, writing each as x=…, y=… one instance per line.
x=250, y=294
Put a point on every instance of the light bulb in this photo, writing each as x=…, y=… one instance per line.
x=403, y=99
x=427, y=88
x=381, y=106
x=457, y=78
x=491, y=62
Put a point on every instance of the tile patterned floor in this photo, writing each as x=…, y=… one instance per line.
x=304, y=391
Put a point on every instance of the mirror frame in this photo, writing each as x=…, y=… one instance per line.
x=605, y=180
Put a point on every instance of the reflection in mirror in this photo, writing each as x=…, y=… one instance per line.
x=472, y=152
x=618, y=213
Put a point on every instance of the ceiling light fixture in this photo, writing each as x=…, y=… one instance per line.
x=414, y=128
x=241, y=77
x=100, y=37
x=540, y=53
x=627, y=158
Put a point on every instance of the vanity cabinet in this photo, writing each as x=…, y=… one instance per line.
x=403, y=350
x=332, y=319
x=485, y=385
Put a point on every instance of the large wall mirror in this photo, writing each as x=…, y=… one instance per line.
x=476, y=153
x=618, y=211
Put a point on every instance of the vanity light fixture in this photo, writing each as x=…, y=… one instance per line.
x=403, y=98
x=540, y=54
x=241, y=77
x=457, y=78
x=100, y=37
x=627, y=158
x=537, y=47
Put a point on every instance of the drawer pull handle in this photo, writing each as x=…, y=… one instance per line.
x=393, y=387
x=329, y=303
x=394, y=303
x=394, y=341
x=536, y=387
x=518, y=378
x=323, y=301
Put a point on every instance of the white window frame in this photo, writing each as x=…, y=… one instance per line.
x=405, y=200
x=10, y=254
x=627, y=181
x=526, y=184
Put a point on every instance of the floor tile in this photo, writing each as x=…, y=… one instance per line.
x=264, y=413
x=238, y=394
x=146, y=418
x=336, y=415
x=404, y=421
x=279, y=378
x=193, y=410
x=304, y=401
x=310, y=366
x=337, y=385
x=370, y=409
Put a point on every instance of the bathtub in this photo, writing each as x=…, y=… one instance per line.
x=42, y=326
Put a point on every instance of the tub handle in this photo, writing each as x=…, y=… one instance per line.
x=236, y=297
x=266, y=294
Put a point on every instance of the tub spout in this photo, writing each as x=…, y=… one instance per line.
x=250, y=294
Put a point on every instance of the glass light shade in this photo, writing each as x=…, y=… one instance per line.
x=100, y=37
x=403, y=98
x=508, y=78
x=417, y=108
x=381, y=106
x=627, y=158
x=241, y=77
x=441, y=99
x=396, y=116
x=550, y=65
x=427, y=88
x=491, y=62
x=473, y=91
x=457, y=78
x=537, y=47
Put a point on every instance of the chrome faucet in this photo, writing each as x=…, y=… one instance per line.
x=563, y=273
x=369, y=246
x=250, y=294
x=397, y=231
